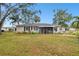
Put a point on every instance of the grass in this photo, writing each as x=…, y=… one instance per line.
x=12, y=44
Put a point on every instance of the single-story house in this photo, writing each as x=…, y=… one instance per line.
x=72, y=29
x=40, y=28
x=8, y=28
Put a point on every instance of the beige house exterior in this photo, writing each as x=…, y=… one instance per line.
x=8, y=28
x=40, y=28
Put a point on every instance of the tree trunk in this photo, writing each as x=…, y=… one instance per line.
x=3, y=19
x=78, y=25
x=0, y=26
x=1, y=23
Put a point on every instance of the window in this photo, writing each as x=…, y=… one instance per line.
x=35, y=28
x=27, y=28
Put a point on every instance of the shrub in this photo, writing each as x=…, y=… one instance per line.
x=34, y=32
x=76, y=33
x=2, y=30
x=21, y=32
x=69, y=32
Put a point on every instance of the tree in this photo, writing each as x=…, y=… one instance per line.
x=61, y=17
x=30, y=15
x=7, y=9
x=36, y=19
x=76, y=22
x=15, y=19
x=26, y=16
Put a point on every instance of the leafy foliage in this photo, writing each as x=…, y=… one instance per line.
x=36, y=18
x=25, y=15
x=61, y=17
x=75, y=23
x=17, y=12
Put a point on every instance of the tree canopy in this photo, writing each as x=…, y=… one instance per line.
x=61, y=17
x=75, y=23
x=36, y=19
x=17, y=12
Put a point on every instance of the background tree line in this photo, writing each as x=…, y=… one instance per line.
x=62, y=17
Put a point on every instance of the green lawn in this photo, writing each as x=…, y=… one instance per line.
x=38, y=44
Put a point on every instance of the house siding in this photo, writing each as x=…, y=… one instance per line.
x=44, y=28
x=20, y=29
x=34, y=29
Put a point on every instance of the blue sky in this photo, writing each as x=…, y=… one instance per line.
x=47, y=10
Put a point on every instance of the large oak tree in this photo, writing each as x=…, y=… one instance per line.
x=17, y=12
